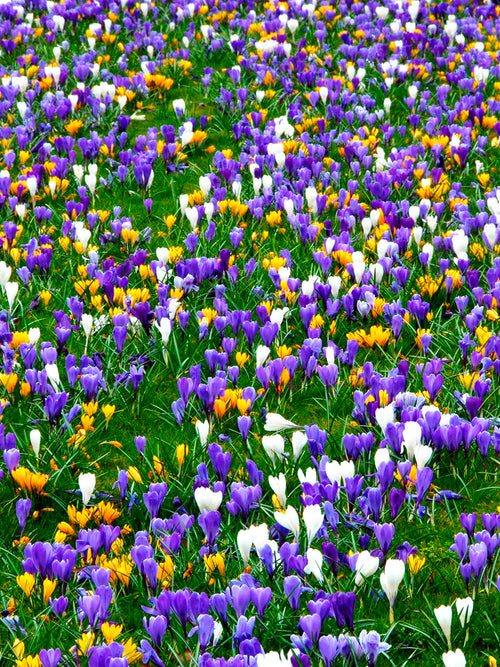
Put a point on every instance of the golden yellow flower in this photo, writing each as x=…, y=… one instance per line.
x=90, y=408
x=45, y=296
x=469, y=380
x=415, y=563
x=243, y=405
x=74, y=126
x=29, y=481
x=18, y=648
x=377, y=336
x=111, y=631
x=134, y=474
x=85, y=642
x=181, y=453
x=9, y=381
x=108, y=411
x=166, y=569
x=106, y=512
x=19, y=337
x=130, y=651
x=29, y=661
x=26, y=582
x=283, y=351
x=214, y=562
x=241, y=358
x=220, y=408
x=49, y=587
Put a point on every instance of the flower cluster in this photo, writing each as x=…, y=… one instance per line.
x=249, y=344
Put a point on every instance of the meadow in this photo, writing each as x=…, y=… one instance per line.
x=249, y=339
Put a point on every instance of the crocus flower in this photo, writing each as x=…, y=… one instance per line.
x=314, y=563
x=454, y=658
x=35, y=439
x=203, y=429
x=86, y=482
x=206, y=499
x=275, y=422
x=313, y=518
x=390, y=580
x=274, y=445
x=366, y=565
x=372, y=645
x=23, y=508
x=464, y=607
x=278, y=485
x=289, y=519
x=444, y=615
x=50, y=657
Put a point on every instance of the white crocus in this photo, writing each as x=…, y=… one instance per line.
x=253, y=536
x=179, y=106
x=384, y=416
x=261, y=354
x=275, y=422
x=11, y=290
x=91, y=182
x=202, y=429
x=87, y=321
x=53, y=376
x=332, y=470
x=192, y=216
x=490, y=232
x=339, y=472
x=366, y=565
x=444, y=615
x=165, y=329
x=454, y=659
x=206, y=499
x=412, y=435
x=86, y=482
x=205, y=184
x=78, y=171
x=314, y=563
x=278, y=485
x=274, y=445
x=310, y=476
x=464, y=607
x=35, y=439
x=290, y=520
x=244, y=542
x=381, y=456
x=183, y=203
x=299, y=441
x=423, y=455
x=34, y=335
x=390, y=580
x=218, y=630
x=313, y=518
x=347, y=470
